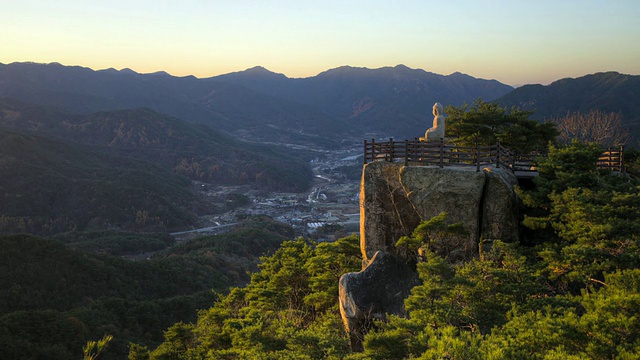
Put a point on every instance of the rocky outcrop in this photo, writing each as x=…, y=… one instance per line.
x=394, y=199
x=389, y=213
x=456, y=191
x=374, y=292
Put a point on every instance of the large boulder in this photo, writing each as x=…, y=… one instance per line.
x=374, y=292
x=395, y=198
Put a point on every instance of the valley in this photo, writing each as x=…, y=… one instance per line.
x=330, y=206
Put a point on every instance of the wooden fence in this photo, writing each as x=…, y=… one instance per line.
x=612, y=159
x=439, y=153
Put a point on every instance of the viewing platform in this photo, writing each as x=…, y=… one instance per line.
x=439, y=153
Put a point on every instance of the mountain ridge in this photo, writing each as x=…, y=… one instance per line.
x=608, y=91
x=227, y=107
x=390, y=100
x=337, y=107
x=258, y=104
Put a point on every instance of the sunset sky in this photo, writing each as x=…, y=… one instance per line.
x=513, y=41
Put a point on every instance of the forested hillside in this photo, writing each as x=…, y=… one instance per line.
x=195, y=151
x=127, y=169
x=55, y=299
x=49, y=186
x=570, y=290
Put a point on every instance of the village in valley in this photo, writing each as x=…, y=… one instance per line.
x=327, y=211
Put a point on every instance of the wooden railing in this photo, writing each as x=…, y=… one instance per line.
x=416, y=152
x=439, y=153
x=612, y=159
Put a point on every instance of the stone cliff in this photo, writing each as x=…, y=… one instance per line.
x=394, y=199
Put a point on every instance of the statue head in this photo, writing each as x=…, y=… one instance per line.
x=437, y=109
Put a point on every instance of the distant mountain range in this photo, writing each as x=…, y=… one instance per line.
x=393, y=101
x=606, y=91
x=222, y=106
x=342, y=104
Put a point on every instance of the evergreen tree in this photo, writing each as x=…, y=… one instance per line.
x=486, y=123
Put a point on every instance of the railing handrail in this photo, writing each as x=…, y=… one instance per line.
x=441, y=154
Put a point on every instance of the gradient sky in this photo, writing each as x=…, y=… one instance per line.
x=513, y=41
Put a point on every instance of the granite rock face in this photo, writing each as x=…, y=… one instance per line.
x=386, y=213
x=394, y=199
x=500, y=206
x=456, y=191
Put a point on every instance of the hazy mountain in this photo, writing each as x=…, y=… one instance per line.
x=395, y=101
x=222, y=106
x=342, y=104
x=607, y=91
x=256, y=104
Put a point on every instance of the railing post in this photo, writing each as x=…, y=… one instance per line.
x=406, y=152
x=373, y=149
x=365, y=151
x=391, y=152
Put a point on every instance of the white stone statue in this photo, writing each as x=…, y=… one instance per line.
x=436, y=132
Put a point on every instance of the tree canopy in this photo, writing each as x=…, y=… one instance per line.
x=288, y=311
x=486, y=123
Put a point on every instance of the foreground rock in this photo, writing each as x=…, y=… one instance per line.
x=374, y=292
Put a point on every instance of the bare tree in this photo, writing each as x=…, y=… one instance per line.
x=595, y=126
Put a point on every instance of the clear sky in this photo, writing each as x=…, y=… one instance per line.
x=513, y=41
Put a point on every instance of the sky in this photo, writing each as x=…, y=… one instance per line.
x=513, y=41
